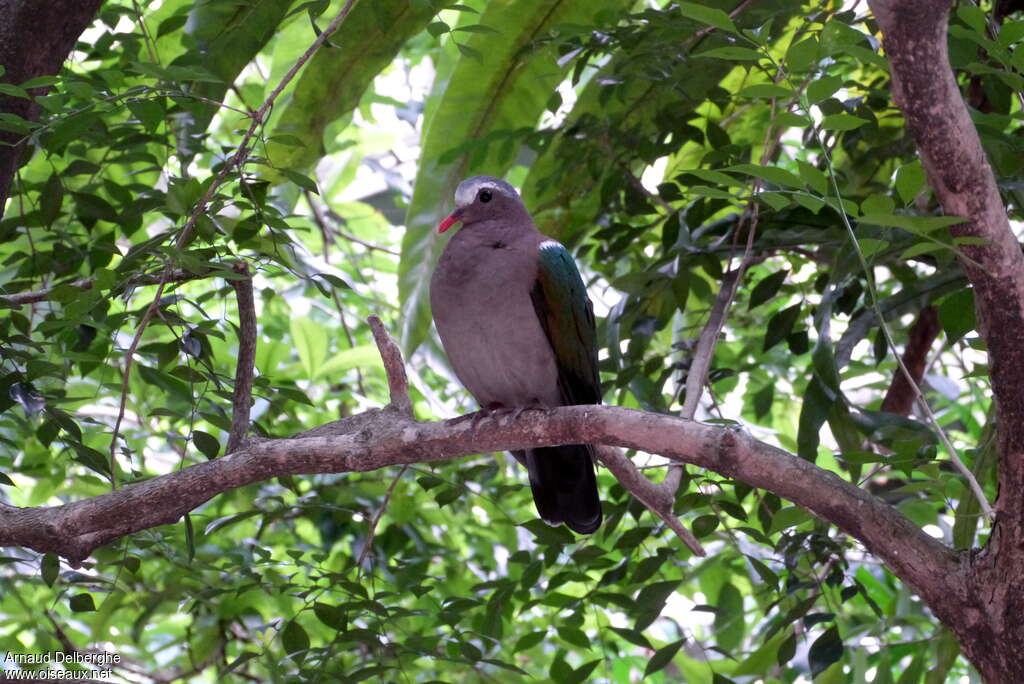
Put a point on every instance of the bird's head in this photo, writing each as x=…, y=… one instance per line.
x=481, y=198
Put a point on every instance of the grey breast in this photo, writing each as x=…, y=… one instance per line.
x=480, y=296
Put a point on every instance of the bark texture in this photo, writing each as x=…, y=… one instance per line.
x=35, y=39
x=987, y=612
x=388, y=437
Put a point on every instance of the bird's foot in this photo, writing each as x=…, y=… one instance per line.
x=519, y=410
x=477, y=416
x=495, y=410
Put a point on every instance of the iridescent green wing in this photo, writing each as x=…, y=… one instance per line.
x=567, y=316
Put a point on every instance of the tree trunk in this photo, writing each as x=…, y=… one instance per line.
x=987, y=614
x=35, y=39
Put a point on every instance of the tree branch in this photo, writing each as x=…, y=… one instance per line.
x=383, y=437
x=241, y=397
x=901, y=395
x=704, y=352
x=657, y=497
x=398, y=383
x=924, y=87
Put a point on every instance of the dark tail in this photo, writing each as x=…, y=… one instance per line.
x=564, y=486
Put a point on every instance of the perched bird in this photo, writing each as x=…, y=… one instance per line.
x=517, y=325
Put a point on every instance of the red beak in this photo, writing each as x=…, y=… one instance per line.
x=449, y=222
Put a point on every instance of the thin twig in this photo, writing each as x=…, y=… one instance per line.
x=43, y=294
x=338, y=220
x=697, y=375
x=954, y=456
x=700, y=366
x=206, y=100
x=376, y=519
x=241, y=398
x=655, y=497
x=325, y=233
x=398, y=383
x=236, y=161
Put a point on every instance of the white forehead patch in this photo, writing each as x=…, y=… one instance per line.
x=468, y=189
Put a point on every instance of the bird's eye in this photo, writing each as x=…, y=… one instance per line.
x=485, y=195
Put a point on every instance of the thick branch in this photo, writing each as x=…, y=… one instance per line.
x=384, y=437
x=925, y=89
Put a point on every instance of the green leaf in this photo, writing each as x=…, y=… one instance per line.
x=573, y=636
x=332, y=83
x=956, y=314
x=581, y=673
x=772, y=174
x=815, y=179
x=301, y=180
x=729, y=621
x=707, y=15
x=842, y=122
x=909, y=181
x=470, y=52
x=652, y=597
x=206, y=443
x=49, y=567
x=82, y=603
x=438, y=28
x=787, y=649
x=826, y=649
x=765, y=90
x=547, y=535
x=190, y=537
x=822, y=88
x=780, y=325
x=790, y=516
x=364, y=357
x=528, y=641
x=766, y=288
x=14, y=91
x=633, y=636
x=763, y=659
x=802, y=56
x=477, y=28
x=922, y=247
x=51, y=199
x=870, y=246
x=662, y=657
x=919, y=225
x=332, y=615
x=295, y=641
x=310, y=340
x=705, y=525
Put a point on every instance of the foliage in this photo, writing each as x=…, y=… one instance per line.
x=658, y=142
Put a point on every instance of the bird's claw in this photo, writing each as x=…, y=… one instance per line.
x=476, y=416
x=496, y=411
